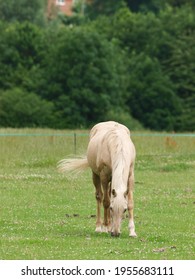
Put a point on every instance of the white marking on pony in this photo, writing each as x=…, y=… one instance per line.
x=132, y=229
x=98, y=229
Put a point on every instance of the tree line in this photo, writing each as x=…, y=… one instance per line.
x=130, y=61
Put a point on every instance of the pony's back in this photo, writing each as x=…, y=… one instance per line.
x=104, y=127
x=106, y=138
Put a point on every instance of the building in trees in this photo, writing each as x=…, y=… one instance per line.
x=62, y=6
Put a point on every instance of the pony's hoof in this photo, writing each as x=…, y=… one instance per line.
x=106, y=229
x=115, y=234
x=98, y=229
x=133, y=235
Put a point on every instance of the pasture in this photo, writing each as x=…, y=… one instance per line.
x=45, y=215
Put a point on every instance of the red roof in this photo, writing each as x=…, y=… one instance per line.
x=55, y=6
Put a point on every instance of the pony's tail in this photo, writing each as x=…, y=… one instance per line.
x=75, y=165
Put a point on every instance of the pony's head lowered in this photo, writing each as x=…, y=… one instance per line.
x=118, y=206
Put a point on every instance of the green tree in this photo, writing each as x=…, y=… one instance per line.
x=180, y=3
x=180, y=63
x=168, y=38
x=22, y=10
x=21, y=48
x=85, y=76
x=152, y=98
x=145, y=5
x=188, y=114
x=23, y=109
x=156, y=5
x=101, y=7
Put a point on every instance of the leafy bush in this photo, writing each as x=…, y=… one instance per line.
x=23, y=109
x=125, y=118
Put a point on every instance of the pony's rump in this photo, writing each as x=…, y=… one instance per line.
x=76, y=165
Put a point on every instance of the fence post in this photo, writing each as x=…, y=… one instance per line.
x=75, y=143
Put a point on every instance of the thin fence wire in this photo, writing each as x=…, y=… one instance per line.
x=145, y=142
x=75, y=134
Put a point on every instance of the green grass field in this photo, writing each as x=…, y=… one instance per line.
x=45, y=215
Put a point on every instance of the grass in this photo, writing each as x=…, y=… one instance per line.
x=44, y=215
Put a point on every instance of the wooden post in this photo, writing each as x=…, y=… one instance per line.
x=75, y=143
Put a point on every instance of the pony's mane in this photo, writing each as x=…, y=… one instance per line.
x=116, y=139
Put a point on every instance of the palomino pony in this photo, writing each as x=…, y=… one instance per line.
x=111, y=157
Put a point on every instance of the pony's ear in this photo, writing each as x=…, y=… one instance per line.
x=114, y=192
x=126, y=193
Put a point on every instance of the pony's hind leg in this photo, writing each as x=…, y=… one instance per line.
x=131, y=206
x=98, y=196
x=106, y=203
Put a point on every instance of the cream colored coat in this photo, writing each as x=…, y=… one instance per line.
x=111, y=156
